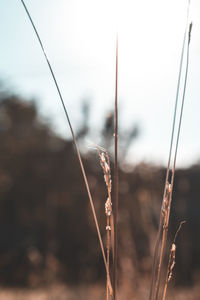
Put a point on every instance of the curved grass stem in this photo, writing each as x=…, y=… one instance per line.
x=74, y=142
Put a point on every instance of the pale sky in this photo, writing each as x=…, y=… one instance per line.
x=79, y=38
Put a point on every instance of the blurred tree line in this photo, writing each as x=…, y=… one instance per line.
x=47, y=231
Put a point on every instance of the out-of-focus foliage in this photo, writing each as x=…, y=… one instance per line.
x=46, y=228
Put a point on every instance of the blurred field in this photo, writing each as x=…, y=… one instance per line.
x=61, y=292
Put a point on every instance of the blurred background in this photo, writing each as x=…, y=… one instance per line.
x=48, y=242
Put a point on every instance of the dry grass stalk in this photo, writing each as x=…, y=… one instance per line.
x=165, y=221
x=105, y=164
x=175, y=156
x=165, y=212
x=171, y=262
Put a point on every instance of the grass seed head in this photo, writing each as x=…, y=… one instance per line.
x=108, y=208
x=172, y=261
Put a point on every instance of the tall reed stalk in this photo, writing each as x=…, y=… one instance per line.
x=116, y=179
x=156, y=251
x=167, y=198
x=167, y=206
